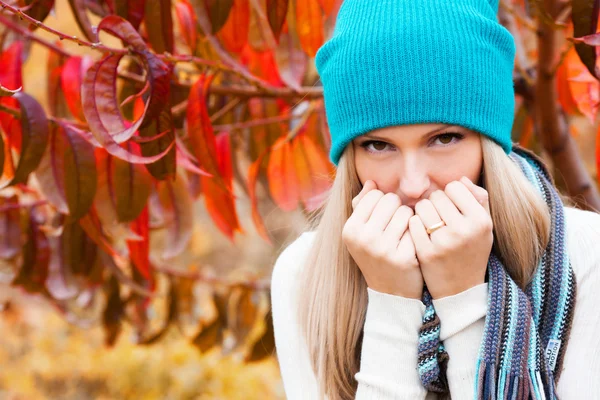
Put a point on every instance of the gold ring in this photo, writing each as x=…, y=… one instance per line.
x=435, y=227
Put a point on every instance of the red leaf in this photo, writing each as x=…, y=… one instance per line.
x=309, y=20
x=10, y=227
x=56, y=101
x=10, y=77
x=79, y=11
x=187, y=161
x=36, y=259
x=121, y=28
x=107, y=191
x=139, y=250
x=34, y=136
x=71, y=79
x=131, y=186
x=159, y=25
x=131, y=10
x=218, y=11
x=234, y=33
x=200, y=130
x=50, y=173
x=218, y=197
x=177, y=207
x=164, y=129
x=80, y=173
x=38, y=9
x=103, y=114
x=93, y=228
x=187, y=23
x=113, y=312
x=277, y=11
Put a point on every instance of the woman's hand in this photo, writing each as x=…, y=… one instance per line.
x=377, y=237
x=453, y=258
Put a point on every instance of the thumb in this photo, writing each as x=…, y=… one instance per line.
x=480, y=194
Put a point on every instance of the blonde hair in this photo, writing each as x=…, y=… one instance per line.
x=333, y=300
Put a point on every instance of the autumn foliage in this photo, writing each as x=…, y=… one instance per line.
x=194, y=97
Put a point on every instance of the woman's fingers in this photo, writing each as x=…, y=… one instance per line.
x=398, y=224
x=419, y=235
x=367, y=187
x=427, y=212
x=383, y=212
x=478, y=192
x=446, y=208
x=463, y=198
x=366, y=205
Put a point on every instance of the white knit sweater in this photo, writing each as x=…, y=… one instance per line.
x=389, y=349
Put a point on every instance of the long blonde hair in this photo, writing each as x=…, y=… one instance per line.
x=333, y=299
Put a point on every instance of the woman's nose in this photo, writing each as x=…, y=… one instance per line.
x=414, y=183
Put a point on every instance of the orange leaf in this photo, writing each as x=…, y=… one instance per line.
x=283, y=182
x=309, y=20
x=584, y=87
x=565, y=97
x=320, y=172
x=327, y=6
x=234, y=33
x=253, y=172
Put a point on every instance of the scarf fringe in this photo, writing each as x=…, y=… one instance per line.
x=535, y=385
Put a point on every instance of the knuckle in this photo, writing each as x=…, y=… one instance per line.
x=436, y=195
x=392, y=198
x=452, y=186
x=405, y=212
x=421, y=205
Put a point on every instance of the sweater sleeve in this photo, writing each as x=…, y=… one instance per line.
x=581, y=365
x=462, y=319
x=389, y=348
x=388, y=367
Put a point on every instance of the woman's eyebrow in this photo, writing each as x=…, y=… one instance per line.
x=375, y=137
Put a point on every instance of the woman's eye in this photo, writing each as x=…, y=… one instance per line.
x=447, y=138
x=374, y=146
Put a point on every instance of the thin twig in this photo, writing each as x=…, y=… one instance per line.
x=228, y=107
x=257, y=122
x=27, y=33
x=96, y=46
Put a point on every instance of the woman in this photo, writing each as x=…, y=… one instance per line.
x=444, y=263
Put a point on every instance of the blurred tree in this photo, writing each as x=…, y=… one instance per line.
x=167, y=101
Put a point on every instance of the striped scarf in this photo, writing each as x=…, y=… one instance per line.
x=526, y=332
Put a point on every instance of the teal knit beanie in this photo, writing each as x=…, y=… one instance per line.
x=396, y=62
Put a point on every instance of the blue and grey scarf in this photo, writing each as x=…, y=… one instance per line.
x=526, y=332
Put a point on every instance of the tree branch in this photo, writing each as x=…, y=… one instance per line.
x=552, y=124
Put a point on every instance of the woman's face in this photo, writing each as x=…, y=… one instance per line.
x=413, y=161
